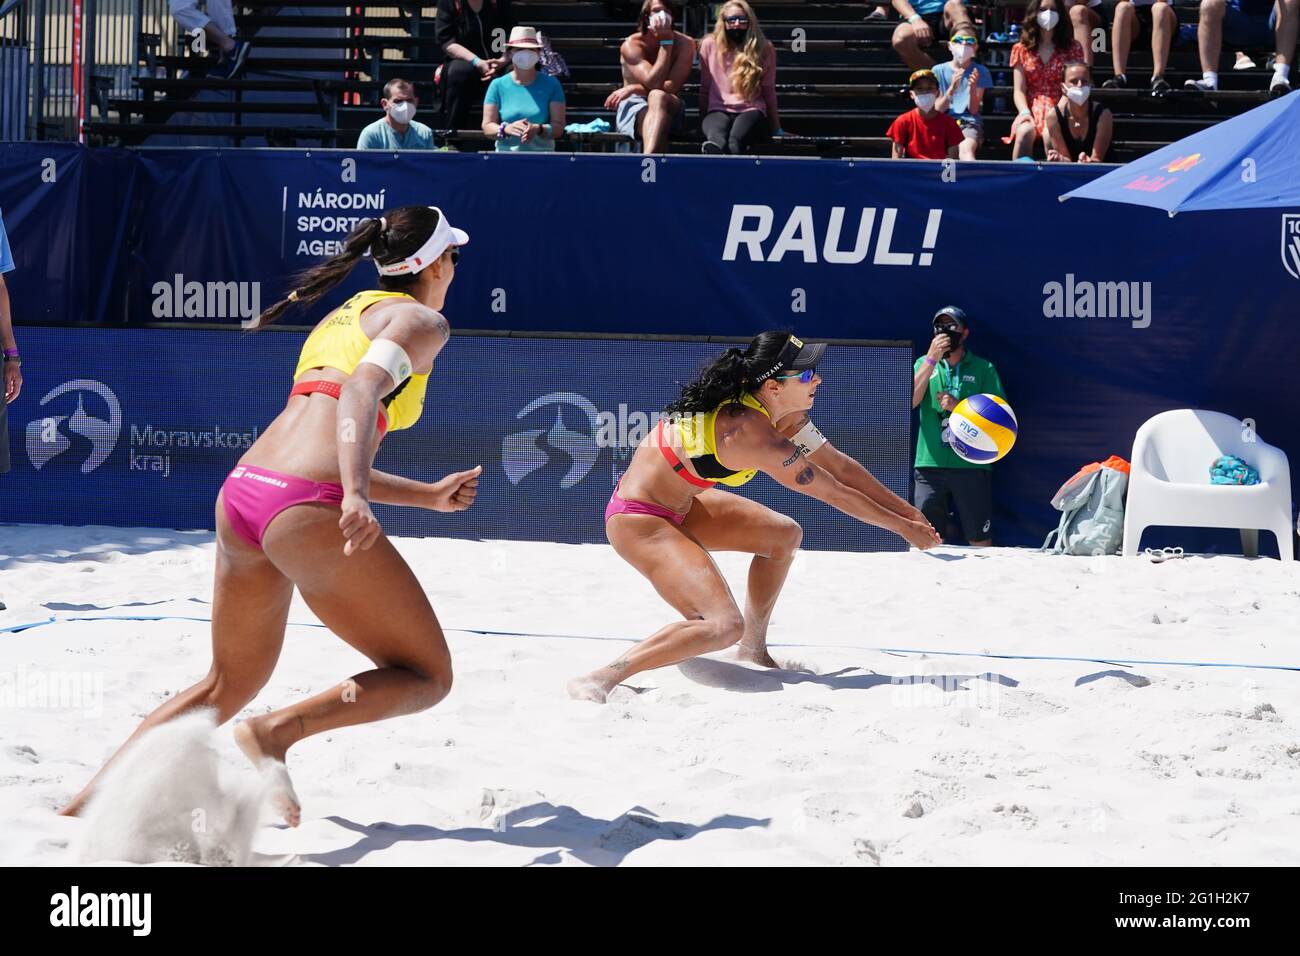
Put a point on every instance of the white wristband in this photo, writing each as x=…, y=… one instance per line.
x=808, y=439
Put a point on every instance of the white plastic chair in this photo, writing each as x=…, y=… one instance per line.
x=1170, y=480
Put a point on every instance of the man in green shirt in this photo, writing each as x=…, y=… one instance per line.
x=945, y=375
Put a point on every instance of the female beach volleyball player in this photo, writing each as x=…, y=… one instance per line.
x=363, y=370
x=747, y=412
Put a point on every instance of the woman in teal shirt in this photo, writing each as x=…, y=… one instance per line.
x=524, y=109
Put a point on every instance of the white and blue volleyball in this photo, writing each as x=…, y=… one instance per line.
x=982, y=429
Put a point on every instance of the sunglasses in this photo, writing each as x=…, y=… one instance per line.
x=965, y=38
x=455, y=255
x=804, y=377
x=735, y=19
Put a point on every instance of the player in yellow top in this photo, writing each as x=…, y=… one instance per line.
x=363, y=370
x=746, y=412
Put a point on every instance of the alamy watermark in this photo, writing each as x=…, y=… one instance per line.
x=1082, y=299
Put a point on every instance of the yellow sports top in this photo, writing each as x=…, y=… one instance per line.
x=339, y=343
x=699, y=443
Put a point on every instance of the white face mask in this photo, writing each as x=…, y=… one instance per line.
x=402, y=112
x=524, y=59
x=925, y=101
x=961, y=52
x=661, y=19
x=1048, y=19
x=1079, y=94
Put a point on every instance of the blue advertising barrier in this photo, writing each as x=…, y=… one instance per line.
x=1097, y=316
x=140, y=427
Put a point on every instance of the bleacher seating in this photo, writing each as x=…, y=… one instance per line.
x=317, y=79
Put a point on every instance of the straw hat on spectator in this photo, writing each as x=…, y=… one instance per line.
x=524, y=38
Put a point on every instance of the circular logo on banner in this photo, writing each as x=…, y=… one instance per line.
x=47, y=438
x=522, y=453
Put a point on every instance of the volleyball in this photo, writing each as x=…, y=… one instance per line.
x=982, y=429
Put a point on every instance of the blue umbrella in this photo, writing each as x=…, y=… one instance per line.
x=1251, y=161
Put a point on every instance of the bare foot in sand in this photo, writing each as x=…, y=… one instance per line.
x=755, y=655
x=587, y=688
x=257, y=739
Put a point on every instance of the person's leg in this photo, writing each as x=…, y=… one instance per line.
x=1024, y=137
x=458, y=76
x=656, y=119
x=1164, y=27
x=747, y=130
x=249, y=608
x=1082, y=20
x=1122, y=33
x=955, y=17
x=908, y=49
x=716, y=126
x=721, y=521
x=972, y=491
x=373, y=601
x=688, y=579
x=1287, y=27
x=931, y=496
x=1209, y=34
x=968, y=148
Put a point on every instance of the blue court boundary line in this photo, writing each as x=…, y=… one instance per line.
x=17, y=628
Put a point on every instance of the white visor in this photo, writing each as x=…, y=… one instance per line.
x=443, y=236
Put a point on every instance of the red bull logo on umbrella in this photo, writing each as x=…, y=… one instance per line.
x=1151, y=184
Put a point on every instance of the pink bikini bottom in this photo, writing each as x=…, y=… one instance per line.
x=618, y=505
x=253, y=496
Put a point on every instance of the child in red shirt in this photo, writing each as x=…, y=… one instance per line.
x=925, y=133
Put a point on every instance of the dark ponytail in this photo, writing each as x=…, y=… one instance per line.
x=730, y=375
x=397, y=234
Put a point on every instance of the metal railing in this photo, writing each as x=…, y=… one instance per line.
x=60, y=60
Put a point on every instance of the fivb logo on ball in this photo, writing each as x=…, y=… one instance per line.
x=981, y=429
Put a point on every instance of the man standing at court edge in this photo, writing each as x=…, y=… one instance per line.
x=946, y=374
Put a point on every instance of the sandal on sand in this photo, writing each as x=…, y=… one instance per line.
x=1163, y=554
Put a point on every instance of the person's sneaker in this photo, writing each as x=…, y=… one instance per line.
x=1205, y=86
x=877, y=14
x=1117, y=82
x=1279, y=86
x=1243, y=62
x=710, y=148
x=1160, y=86
x=232, y=62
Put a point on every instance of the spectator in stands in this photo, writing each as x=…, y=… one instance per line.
x=1079, y=129
x=1251, y=24
x=398, y=128
x=524, y=109
x=218, y=27
x=737, y=83
x=1085, y=16
x=922, y=22
x=924, y=132
x=962, y=82
x=464, y=30
x=656, y=61
x=1134, y=20
x=13, y=376
x=945, y=375
x=1046, y=44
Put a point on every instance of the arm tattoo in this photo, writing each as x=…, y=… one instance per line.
x=443, y=328
x=805, y=477
x=792, y=459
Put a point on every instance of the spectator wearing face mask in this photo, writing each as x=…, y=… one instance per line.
x=656, y=62
x=962, y=82
x=1046, y=45
x=1079, y=129
x=924, y=132
x=737, y=83
x=398, y=129
x=524, y=109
